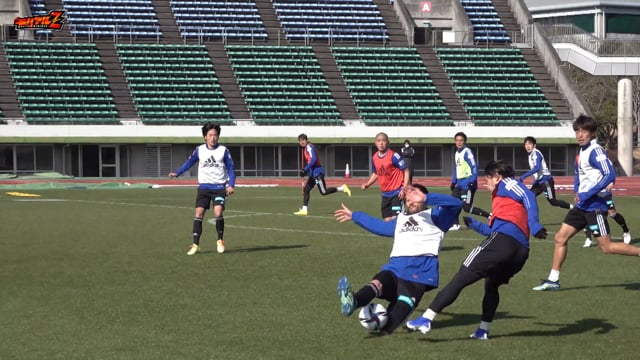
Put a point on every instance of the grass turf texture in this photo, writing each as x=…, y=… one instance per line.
x=103, y=274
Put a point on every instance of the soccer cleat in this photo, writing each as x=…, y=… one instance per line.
x=220, y=246
x=480, y=334
x=345, y=189
x=347, y=301
x=454, y=227
x=547, y=285
x=193, y=249
x=587, y=243
x=421, y=324
x=300, y=212
x=626, y=237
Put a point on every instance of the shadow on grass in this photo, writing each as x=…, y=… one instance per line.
x=627, y=286
x=265, y=248
x=451, y=248
x=579, y=327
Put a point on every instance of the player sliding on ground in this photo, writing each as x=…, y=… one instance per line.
x=413, y=264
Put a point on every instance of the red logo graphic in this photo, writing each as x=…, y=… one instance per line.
x=425, y=6
x=53, y=20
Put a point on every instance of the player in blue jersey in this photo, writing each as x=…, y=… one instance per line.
x=413, y=264
x=464, y=181
x=315, y=171
x=216, y=178
x=514, y=215
x=542, y=179
x=593, y=173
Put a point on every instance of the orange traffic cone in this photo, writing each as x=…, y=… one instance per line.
x=347, y=174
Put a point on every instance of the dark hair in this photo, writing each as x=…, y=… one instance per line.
x=464, y=136
x=208, y=126
x=406, y=141
x=530, y=139
x=499, y=167
x=421, y=188
x=302, y=137
x=585, y=122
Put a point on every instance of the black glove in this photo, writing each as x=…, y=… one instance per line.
x=468, y=220
x=452, y=187
x=302, y=173
x=541, y=234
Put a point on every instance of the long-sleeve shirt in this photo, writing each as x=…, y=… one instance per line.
x=312, y=161
x=539, y=169
x=215, y=167
x=514, y=212
x=416, y=234
x=465, y=169
x=593, y=172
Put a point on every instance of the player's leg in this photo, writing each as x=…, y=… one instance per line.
x=600, y=228
x=322, y=186
x=618, y=218
x=456, y=193
x=306, y=196
x=201, y=206
x=573, y=222
x=408, y=296
x=550, y=194
x=468, y=204
x=350, y=301
x=219, y=201
x=390, y=207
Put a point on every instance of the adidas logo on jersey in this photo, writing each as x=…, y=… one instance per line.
x=411, y=225
x=210, y=162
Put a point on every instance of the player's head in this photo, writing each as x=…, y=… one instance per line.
x=585, y=128
x=407, y=143
x=460, y=139
x=529, y=143
x=382, y=142
x=495, y=171
x=303, y=140
x=414, y=198
x=211, y=133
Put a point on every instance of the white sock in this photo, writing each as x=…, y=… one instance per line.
x=554, y=275
x=340, y=188
x=430, y=314
x=485, y=325
x=304, y=208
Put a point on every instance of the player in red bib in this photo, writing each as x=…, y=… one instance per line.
x=390, y=171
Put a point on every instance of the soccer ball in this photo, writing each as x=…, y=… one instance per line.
x=373, y=317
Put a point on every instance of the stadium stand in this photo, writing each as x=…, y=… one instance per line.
x=391, y=86
x=96, y=18
x=60, y=83
x=37, y=7
x=487, y=25
x=496, y=86
x=218, y=19
x=173, y=84
x=283, y=85
x=348, y=20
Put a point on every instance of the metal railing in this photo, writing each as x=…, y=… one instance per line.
x=569, y=33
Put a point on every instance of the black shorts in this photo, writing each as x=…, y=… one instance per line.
x=595, y=221
x=392, y=287
x=391, y=206
x=465, y=195
x=548, y=187
x=205, y=197
x=499, y=256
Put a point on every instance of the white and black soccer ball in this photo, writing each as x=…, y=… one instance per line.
x=373, y=317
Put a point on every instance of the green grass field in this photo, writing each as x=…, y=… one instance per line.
x=103, y=274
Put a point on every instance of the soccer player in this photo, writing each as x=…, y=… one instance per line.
x=390, y=170
x=614, y=214
x=315, y=171
x=413, y=264
x=542, y=179
x=464, y=181
x=514, y=215
x=593, y=173
x=216, y=179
